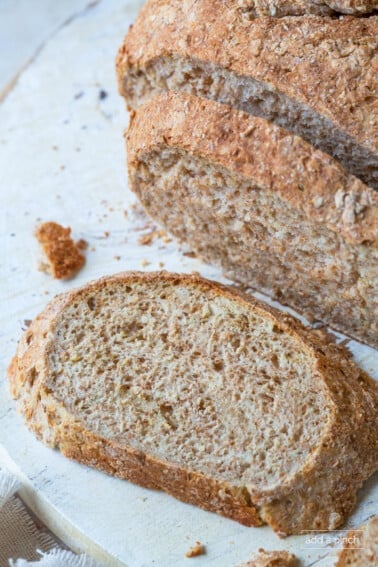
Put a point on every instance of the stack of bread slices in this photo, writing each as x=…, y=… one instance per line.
x=254, y=139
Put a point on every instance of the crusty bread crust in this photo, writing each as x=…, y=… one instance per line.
x=280, y=8
x=318, y=496
x=321, y=65
x=352, y=6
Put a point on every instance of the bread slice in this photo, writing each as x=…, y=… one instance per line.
x=361, y=546
x=181, y=384
x=280, y=8
x=272, y=559
x=273, y=212
x=313, y=75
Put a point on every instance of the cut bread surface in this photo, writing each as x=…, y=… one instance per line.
x=176, y=372
x=311, y=75
x=294, y=224
x=181, y=384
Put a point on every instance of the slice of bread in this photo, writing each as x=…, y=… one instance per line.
x=313, y=75
x=273, y=212
x=361, y=546
x=184, y=385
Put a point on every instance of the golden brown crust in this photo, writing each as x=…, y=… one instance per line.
x=280, y=8
x=63, y=255
x=318, y=496
x=327, y=64
x=318, y=185
x=352, y=6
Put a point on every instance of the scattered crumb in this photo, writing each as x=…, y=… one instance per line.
x=125, y=213
x=161, y=264
x=64, y=258
x=102, y=94
x=27, y=323
x=93, y=249
x=147, y=239
x=117, y=257
x=78, y=95
x=271, y=559
x=189, y=254
x=145, y=263
x=196, y=550
x=82, y=244
x=46, y=292
x=106, y=233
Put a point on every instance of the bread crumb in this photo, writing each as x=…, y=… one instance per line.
x=161, y=264
x=145, y=263
x=117, y=257
x=196, y=550
x=82, y=244
x=271, y=559
x=106, y=233
x=147, y=239
x=64, y=258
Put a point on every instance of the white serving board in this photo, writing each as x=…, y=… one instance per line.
x=62, y=158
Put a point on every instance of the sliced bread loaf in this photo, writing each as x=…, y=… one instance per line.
x=272, y=211
x=181, y=384
x=315, y=76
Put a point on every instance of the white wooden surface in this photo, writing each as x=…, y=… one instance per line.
x=62, y=158
x=25, y=26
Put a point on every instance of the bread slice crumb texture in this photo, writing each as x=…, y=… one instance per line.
x=190, y=376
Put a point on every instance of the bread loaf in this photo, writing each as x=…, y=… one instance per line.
x=315, y=76
x=181, y=384
x=273, y=212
